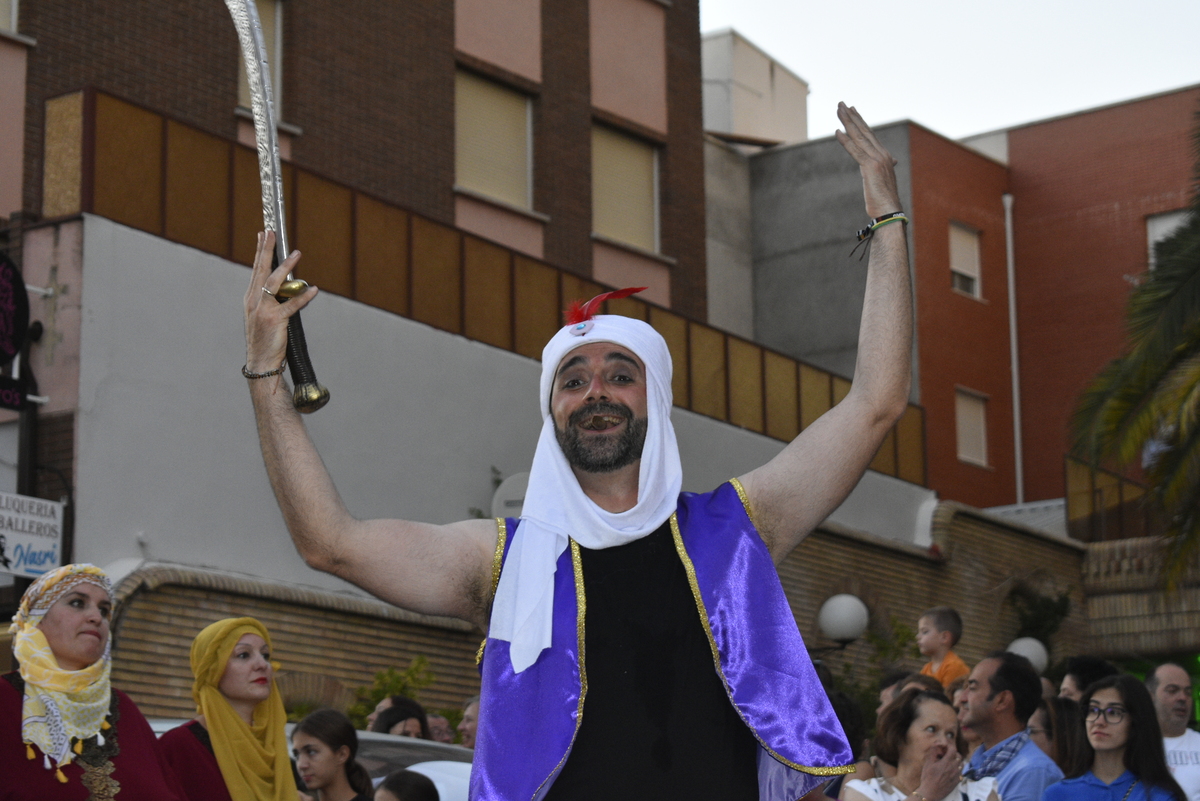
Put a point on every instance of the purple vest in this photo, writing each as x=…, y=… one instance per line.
x=528, y=721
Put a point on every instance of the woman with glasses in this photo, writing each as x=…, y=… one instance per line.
x=1127, y=759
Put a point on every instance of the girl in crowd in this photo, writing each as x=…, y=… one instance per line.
x=325, y=745
x=405, y=717
x=1127, y=758
x=65, y=733
x=1057, y=728
x=914, y=724
x=407, y=785
x=236, y=748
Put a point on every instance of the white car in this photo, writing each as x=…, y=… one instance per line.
x=449, y=766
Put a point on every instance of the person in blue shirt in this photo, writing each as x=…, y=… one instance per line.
x=1002, y=693
x=1127, y=759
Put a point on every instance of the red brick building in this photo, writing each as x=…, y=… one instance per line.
x=1085, y=187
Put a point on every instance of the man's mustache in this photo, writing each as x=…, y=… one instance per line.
x=599, y=408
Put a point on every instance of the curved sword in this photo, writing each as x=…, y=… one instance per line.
x=309, y=395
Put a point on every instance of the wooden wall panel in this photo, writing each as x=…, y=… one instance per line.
x=324, y=214
x=815, y=393
x=577, y=288
x=488, y=290
x=247, y=219
x=841, y=388
x=745, y=384
x=707, y=368
x=197, y=189
x=629, y=307
x=780, y=378
x=436, y=279
x=674, y=329
x=128, y=172
x=885, y=458
x=380, y=255
x=536, y=300
x=910, y=446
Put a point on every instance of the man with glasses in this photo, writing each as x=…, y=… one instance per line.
x=1171, y=687
x=1002, y=693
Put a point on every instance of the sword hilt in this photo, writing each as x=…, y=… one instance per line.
x=308, y=395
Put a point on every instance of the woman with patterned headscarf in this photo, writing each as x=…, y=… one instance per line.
x=65, y=733
x=236, y=748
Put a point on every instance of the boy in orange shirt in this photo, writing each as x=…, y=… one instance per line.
x=938, y=630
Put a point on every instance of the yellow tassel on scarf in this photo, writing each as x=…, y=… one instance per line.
x=78, y=747
x=29, y=752
x=58, y=774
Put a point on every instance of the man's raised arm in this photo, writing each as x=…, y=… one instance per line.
x=436, y=570
x=795, y=491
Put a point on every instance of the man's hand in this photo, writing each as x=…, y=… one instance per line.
x=266, y=317
x=875, y=163
x=941, y=772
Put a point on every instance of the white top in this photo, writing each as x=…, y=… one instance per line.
x=1183, y=756
x=967, y=790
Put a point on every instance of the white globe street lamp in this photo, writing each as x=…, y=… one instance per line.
x=843, y=618
x=1032, y=649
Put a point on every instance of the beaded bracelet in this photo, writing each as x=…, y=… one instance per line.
x=267, y=374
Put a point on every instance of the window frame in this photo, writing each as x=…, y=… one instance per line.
x=982, y=398
x=976, y=290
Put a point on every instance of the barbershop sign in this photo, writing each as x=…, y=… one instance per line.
x=30, y=535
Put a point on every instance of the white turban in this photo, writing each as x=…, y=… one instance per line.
x=555, y=506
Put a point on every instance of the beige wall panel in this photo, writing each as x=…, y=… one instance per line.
x=510, y=228
x=487, y=293
x=709, y=378
x=910, y=441
x=621, y=268
x=62, y=169
x=507, y=33
x=436, y=282
x=783, y=396
x=674, y=329
x=745, y=385
x=197, y=189
x=128, y=180
x=381, y=255
x=537, y=303
x=629, y=60
x=324, y=217
x=814, y=394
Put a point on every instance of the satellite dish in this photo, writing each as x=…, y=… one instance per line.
x=510, y=496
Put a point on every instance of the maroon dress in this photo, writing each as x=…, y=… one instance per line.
x=127, y=767
x=188, y=750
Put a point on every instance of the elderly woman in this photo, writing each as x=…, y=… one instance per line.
x=915, y=724
x=65, y=733
x=236, y=748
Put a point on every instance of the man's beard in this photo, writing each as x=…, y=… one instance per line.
x=602, y=454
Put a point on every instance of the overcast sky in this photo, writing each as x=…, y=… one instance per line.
x=964, y=67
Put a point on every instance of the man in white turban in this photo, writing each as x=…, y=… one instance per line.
x=695, y=679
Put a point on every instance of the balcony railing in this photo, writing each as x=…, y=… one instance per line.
x=112, y=158
x=1102, y=505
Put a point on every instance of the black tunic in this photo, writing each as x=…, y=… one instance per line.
x=657, y=723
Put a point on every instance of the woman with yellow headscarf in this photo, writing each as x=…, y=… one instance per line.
x=65, y=733
x=236, y=748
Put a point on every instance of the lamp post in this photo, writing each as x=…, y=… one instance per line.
x=843, y=618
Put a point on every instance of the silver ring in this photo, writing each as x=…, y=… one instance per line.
x=269, y=292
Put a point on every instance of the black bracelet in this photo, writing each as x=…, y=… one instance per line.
x=865, y=234
x=267, y=374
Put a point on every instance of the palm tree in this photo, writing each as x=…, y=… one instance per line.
x=1146, y=404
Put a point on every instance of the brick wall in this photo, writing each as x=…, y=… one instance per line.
x=1084, y=185
x=961, y=340
x=981, y=559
